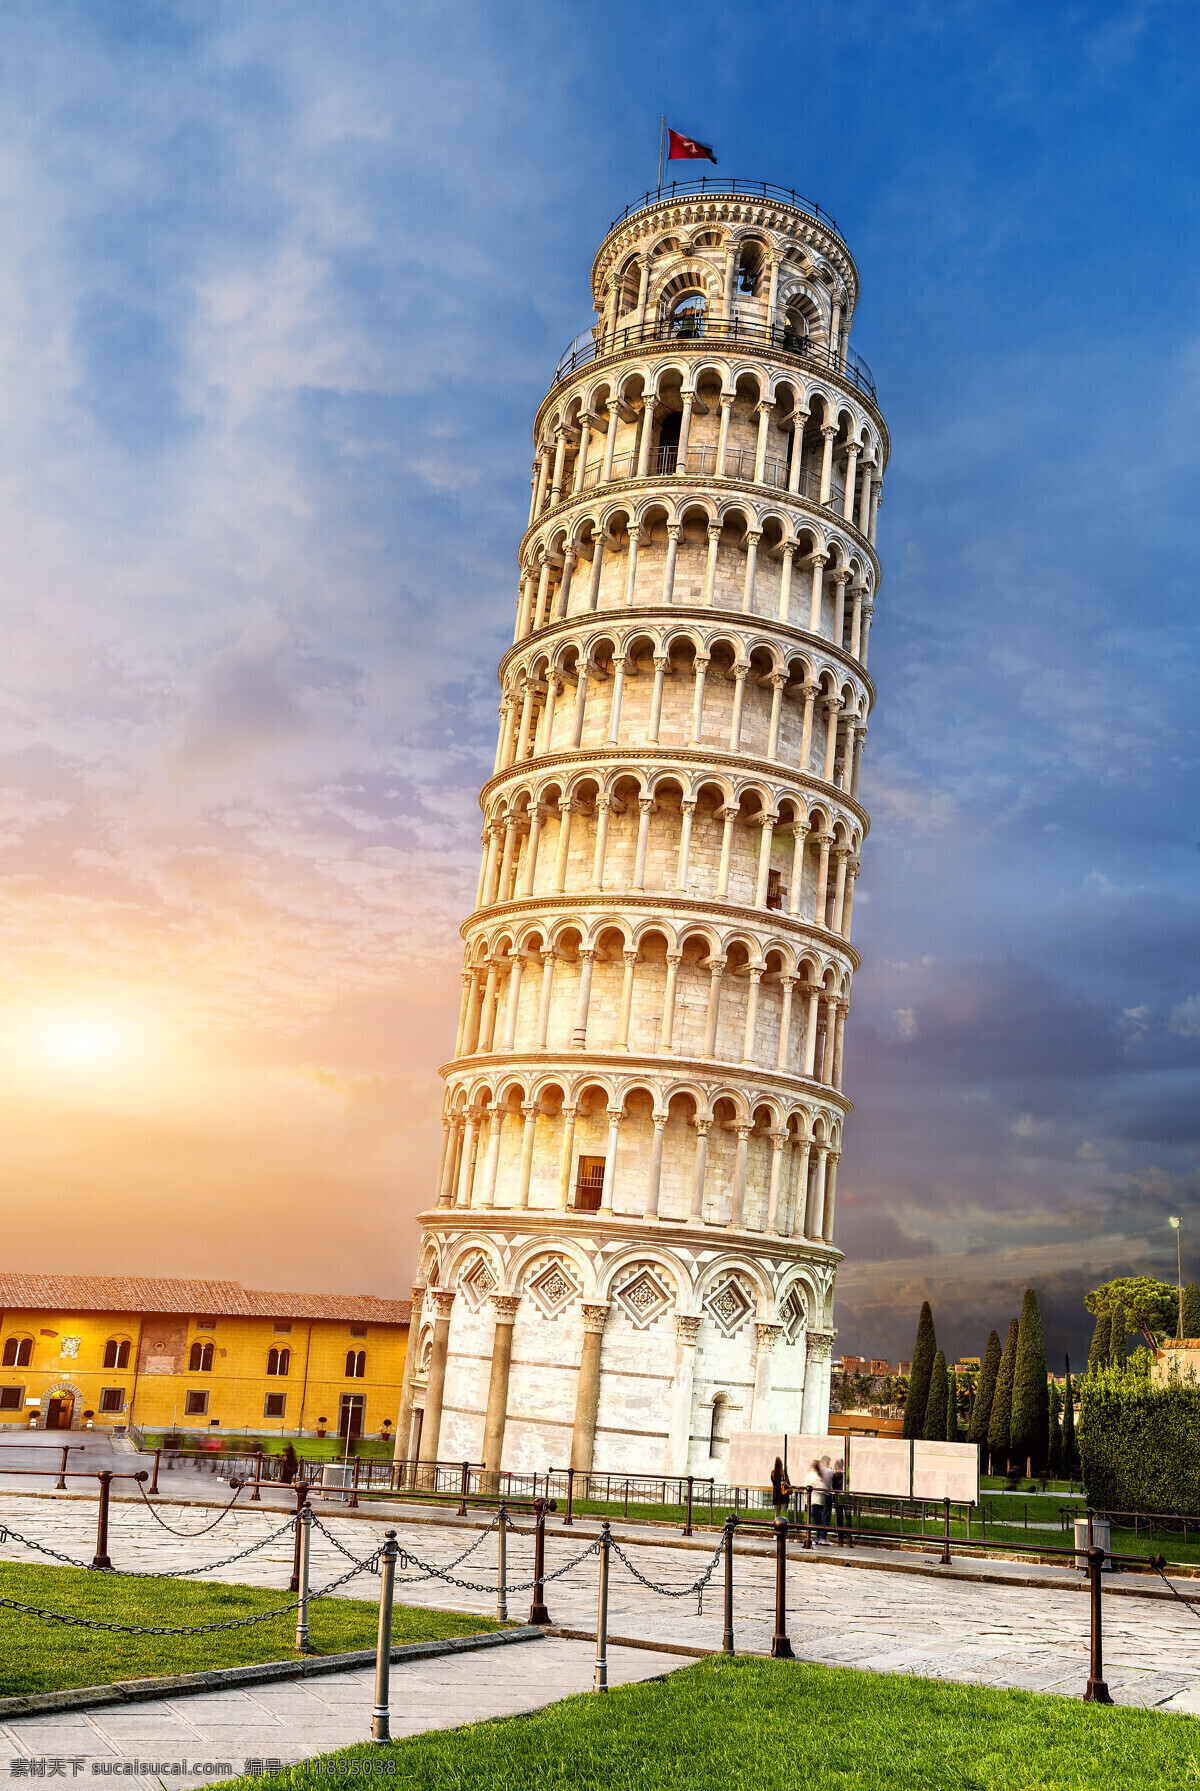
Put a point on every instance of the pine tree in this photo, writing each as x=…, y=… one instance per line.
x=951, y=1406
x=1070, y=1453
x=1191, y=1310
x=935, y=1406
x=981, y=1415
x=1029, y=1425
x=1001, y=1418
x=1118, y=1347
x=1101, y=1342
x=924, y=1351
x=1054, y=1453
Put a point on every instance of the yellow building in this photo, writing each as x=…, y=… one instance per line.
x=209, y=1356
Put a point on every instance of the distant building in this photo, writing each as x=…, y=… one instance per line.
x=197, y=1356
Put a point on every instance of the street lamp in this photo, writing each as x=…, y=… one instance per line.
x=1175, y=1226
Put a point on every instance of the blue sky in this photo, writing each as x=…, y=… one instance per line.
x=284, y=285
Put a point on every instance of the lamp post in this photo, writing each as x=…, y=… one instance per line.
x=1176, y=1227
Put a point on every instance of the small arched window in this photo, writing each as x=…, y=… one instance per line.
x=201, y=1359
x=17, y=1351
x=356, y=1364
x=116, y=1352
x=278, y=1361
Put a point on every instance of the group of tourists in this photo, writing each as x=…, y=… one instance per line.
x=824, y=1481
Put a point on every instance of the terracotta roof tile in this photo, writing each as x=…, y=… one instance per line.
x=210, y=1299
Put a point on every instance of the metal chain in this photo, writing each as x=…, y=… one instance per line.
x=1190, y=1603
x=187, y=1629
x=439, y=1572
x=189, y=1534
x=697, y=1587
x=475, y=1586
x=135, y=1573
x=15, y=1536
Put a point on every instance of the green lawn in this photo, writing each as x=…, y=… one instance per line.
x=760, y=1726
x=36, y=1655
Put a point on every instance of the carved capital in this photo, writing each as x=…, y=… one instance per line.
x=767, y=1336
x=820, y=1345
x=687, y=1329
x=443, y=1300
x=595, y=1318
x=506, y=1307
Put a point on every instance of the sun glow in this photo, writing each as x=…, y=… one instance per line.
x=74, y=1039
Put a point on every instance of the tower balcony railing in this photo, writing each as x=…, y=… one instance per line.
x=709, y=186
x=701, y=463
x=690, y=327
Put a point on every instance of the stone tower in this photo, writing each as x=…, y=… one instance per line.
x=631, y=1253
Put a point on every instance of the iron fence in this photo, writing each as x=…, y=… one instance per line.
x=690, y=328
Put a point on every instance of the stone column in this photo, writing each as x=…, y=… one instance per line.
x=852, y=452
x=860, y=741
x=680, y=1432
x=728, y=816
x=810, y=697
x=765, y=1337
x=630, y=958
x=723, y=434
x=643, y=294
x=710, y=564
x=635, y=535
x=748, y=1056
x=529, y=1112
x=799, y=1196
x=753, y=537
x=841, y=579
x=587, y=1395
x=467, y=1163
x=687, y=811
x=810, y=1031
x=610, y=439
x=566, y=808
x=685, y=430
x=492, y=865
x=855, y=867
x=645, y=810
x=450, y=1166
x=831, y=1008
x=739, y=697
x=656, y=698
x=604, y=806
x=565, y=1157
x=819, y=563
x=842, y=854
x=594, y=575
x=556, y=478
x=832, y=708
x=815, y=1409
x=487, y=1194
x=700, y=668
x=543, y=466
x=799, y=835
x=856, y=592
x=411, y=1352
x=832, y=1161
x=529, y=869
x=699, y=1170
x=618, y=693
x=585, y=435
x=497, y=1401
x=435, y=1384
x=487, y=1017
x=843, y=1008
x=587, y=958
x=506, y=859
x=868, y=612
x=564, y=583
x=543, y=1020
x=785, y=581
x=643, y=459
x=766, y=821
x=799, y=419
x=543, y=585
x=654, y=1177
x=674, y=530
x=778, y=1140
x=463, y=1007
x=817, y=1228
x=739, y=1175
x=610, y=1160
x=778, y=680
x=875, y=497
x=829, y=430
x=824, y=841
x=783, y=1052
x=764, y=409
x=665, y=1042
x=716, y=969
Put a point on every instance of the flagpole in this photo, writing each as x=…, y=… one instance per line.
x=662, y=137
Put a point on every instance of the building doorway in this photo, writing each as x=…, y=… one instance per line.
x=350, y=1419
x=58, y=1412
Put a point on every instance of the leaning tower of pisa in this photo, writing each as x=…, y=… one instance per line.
x=629, y=1254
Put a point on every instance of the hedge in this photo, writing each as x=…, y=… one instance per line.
x=1140, y=1444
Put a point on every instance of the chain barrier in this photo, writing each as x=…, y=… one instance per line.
x=697, y=1586
x=187, y=1629
x=135, y=1573
x=442, y=1573
x=188, y=1535
x=1190, y=1603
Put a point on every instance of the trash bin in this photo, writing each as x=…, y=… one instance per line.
x=1101, y=1538
x=336, y=1474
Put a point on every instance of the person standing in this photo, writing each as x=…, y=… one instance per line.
x=839, y=1500
x=781, y=1492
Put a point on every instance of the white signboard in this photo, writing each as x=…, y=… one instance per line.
x=881, y=1465
x=802, y=1451
x=946, y=1471
x=752, y=1455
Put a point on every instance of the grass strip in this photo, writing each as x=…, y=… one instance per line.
x=758, y=1725
x=36, y=1655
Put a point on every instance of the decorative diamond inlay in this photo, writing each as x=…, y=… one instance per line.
x=644, y=1298
x=477, y=1283
x=729, y=1305
x=553, y=1287
x=793, y=1314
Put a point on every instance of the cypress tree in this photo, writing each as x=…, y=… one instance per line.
x=1001, y=1418
x=935, y=1406
x=951, y=1406
x=1101, y=1342
x=986, y=1391
x=1054, y=1456
x=1070, y=1452
x=1029, y=1426
x=924, y=1351
x=1191, y=1310
x=1118, y=1347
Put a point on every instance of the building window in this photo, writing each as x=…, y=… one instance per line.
x=116, y=1352
x=274, y=1404
x=282, y=1330
x=195, y=1405
x=775, y=889
x=201, y=1359
x=350, y=1416
x=358, y=1330
x=589, y=1184
x=17, y=1351
x=112, y=1399
x=356, y=1364
x=206, y=1324
x=278, y=1361
x=11, y=1399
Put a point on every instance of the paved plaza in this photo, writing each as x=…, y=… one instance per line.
x=961, y=1629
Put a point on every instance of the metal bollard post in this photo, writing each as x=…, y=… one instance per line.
x=537, y=1610
x=304, y=1539
x=354, y=1484
x=60, y=1484
x=466, y=1482
x=502, y=1565
x=256, y=1495
x=727, y=1638
x=687, y=1527
x=100, y=1558
x=157, y=1459
x=301, y=1491
x=1097, y=1691
x=946, y=1541
x=600, y=1682
x=569, y=1518
x=781, y=1648
x=380, y=1723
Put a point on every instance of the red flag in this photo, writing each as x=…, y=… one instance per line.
x=687, y=149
